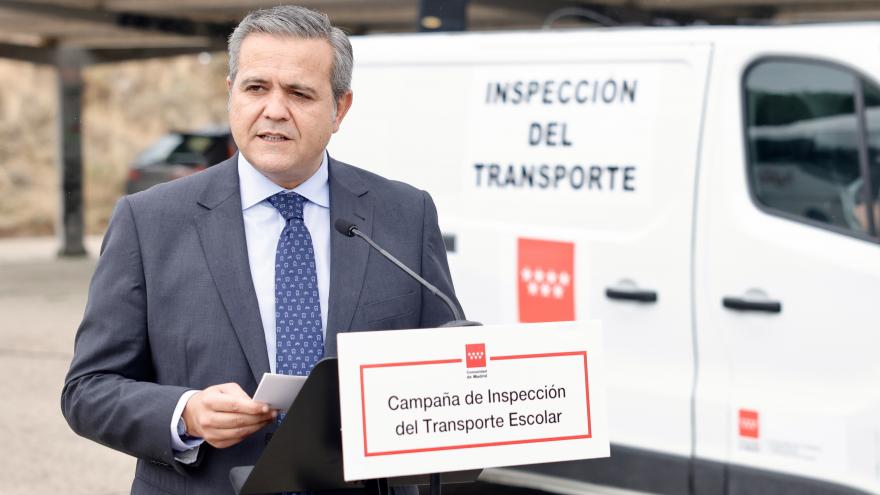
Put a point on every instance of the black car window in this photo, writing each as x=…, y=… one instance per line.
x=194, y=150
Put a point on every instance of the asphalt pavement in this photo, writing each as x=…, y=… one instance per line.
x=41, y=302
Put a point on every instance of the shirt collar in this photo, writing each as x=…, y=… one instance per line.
x=256, y=187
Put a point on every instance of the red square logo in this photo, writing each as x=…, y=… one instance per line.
x=545, y=273
x=475, y=355
x=748, y=423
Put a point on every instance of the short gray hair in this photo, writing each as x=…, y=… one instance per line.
x=297, y=22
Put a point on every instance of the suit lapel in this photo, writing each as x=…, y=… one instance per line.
x=221, y=231
x=348, y=201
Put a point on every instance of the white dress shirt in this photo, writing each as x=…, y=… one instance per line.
x=262, y=228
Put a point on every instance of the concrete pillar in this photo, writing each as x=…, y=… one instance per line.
x=70, y=90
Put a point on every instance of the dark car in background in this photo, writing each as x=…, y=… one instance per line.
x=178, y=154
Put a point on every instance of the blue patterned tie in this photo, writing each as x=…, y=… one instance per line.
x=299, y=342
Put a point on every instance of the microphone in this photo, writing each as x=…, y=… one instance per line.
x=350, y=229
x=345, y=227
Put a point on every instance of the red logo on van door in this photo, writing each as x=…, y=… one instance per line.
x=748, y=423
x=545, y=272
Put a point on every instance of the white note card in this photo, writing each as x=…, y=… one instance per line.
x=279, y=391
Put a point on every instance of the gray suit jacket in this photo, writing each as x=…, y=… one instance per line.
x=172, y=308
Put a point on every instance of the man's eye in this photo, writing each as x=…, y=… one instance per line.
x=253, y=88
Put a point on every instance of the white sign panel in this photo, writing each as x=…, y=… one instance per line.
x=423, y=401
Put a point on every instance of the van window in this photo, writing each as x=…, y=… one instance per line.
x=803, y=142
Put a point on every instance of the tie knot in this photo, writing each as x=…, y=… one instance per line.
x=289, y=204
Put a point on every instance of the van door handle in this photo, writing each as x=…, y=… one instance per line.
x=740, y=304
x=645, y=296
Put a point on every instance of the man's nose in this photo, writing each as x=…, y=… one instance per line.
x=276, y=106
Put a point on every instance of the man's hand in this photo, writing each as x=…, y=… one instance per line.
x=224, y=415
x=861, y=214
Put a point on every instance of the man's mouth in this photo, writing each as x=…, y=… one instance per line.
x=273, y=138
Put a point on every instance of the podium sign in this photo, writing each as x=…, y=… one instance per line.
x=450, y=399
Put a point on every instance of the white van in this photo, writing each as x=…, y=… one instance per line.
x=702, y=191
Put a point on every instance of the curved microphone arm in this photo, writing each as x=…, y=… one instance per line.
x=434, y=290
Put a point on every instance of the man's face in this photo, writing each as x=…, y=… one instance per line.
x=281, y=108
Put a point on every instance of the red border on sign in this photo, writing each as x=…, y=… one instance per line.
x=589, y=433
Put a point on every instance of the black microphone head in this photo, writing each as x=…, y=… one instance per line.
x=345, y=227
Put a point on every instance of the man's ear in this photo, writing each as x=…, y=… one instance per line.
x=228, y=84
x=342, y=106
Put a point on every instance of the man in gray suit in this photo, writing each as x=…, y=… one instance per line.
x=207, y=282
